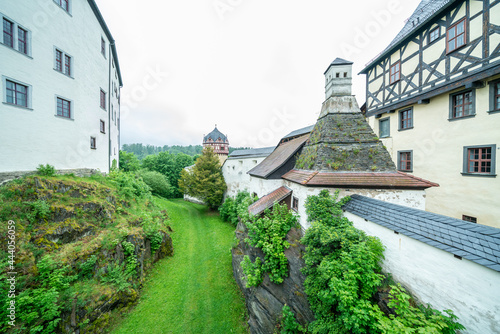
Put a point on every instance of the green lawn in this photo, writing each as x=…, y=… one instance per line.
x=193, y=291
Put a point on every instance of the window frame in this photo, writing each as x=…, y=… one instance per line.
x=295, y=203
x=102, y=126
x=430, y=40
x=62, y=63
x=15, y=91
x=400, y=161
x=102, y=100
x=12, y=29
x=103, y=47
x=465, y=168
x=472, y=92
x=15, y=36
x=469, y=219
x=409, y=120
x=453, y=26
x=70, y=110
x=493, y=96
x=398, y=72
x=68, y=3
x=380, y=121
x=29, y=93
x=93, y=143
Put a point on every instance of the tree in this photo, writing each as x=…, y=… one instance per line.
x=204, y=181
x=129, y=162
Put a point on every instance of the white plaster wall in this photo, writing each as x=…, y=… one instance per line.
x=437, y=146
x=36, y=136
x=434, y=276
x=235, y=174
x=409, y=198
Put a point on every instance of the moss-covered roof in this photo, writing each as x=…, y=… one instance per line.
x=344, y=142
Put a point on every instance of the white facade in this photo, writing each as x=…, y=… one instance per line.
x=437, y=277
x=35, y=134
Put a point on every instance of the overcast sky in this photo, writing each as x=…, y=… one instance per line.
x=253, y=67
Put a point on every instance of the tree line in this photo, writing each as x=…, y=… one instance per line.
x=142, y=151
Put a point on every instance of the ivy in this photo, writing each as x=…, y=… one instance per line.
x=343, y=274
x=289, y=324
x=268, y=233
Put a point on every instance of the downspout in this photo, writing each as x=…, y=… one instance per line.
x=109, y=107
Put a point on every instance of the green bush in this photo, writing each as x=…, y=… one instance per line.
x=289, y=324
x=46, y=170
x=268, y=233
x=157, y=182
x=343, y=274
x=129, y=185
x=231, y=206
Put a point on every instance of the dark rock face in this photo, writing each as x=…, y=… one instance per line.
x=265, y=302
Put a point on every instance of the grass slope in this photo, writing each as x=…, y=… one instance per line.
x=194, y=291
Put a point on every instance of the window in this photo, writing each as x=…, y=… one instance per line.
x=384, y=128
x=479, y=160
x=337, y=75
x=495, y=96
x=22, y=40
x=64, y=4
x=103, y=99
x=405, y=161
x=462, y=104
x=406, y=119
x=103, y=126
x=345, y=74
x=434, y=34
x=103, y=47
x=469, y=219
x=8, y=33
x=92, y=143
x=456, y=36
x=63, y=62
x=17, y=94
x=295, y=204
x=395, y=72
x=63, y=108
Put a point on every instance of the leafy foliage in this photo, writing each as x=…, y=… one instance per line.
x=205, y=180
x=230, y=209
x=268, y=233
x=289, y=324
x=129, y=185
x=129, y=162
x=157, y=182
x=46, y=170
x=343, y=273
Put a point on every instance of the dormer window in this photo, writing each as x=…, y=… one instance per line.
x=395, y=72
x=456, y=36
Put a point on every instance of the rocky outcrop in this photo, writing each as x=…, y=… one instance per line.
x=265, y=302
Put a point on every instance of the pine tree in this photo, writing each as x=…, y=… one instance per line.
x=205, y=181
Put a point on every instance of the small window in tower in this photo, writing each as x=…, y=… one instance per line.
x=337, y=75
x=345, y=74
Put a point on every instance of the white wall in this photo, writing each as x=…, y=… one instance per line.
x=434, y=276
x=36, y=136
x=235, y=174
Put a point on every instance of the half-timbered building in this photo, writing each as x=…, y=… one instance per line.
x=433, y=97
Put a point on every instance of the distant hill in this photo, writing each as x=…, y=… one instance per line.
x=142, y=151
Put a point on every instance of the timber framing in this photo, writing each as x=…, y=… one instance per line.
x=427, y=69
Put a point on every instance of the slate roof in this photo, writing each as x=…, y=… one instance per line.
x=339, y=61
x=251, y=153
x=279, y=157
x=426, y=11
x=477, y=243
x=268, y=201
x=214, y=135
x=298, y=132
x=382, y=180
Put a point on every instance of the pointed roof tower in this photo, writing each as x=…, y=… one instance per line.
x=342, y=149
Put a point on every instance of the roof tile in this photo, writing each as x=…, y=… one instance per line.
x=268, y=201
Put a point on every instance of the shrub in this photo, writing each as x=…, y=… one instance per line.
x=343, y=273
x=129, y=185
x=46, y=170
x=230, y=209
x=289, y=324
x=157, y=182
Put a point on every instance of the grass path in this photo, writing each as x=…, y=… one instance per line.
x=193, y=291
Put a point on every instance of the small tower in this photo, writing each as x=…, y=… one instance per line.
x=218, y=142
x=338, y=78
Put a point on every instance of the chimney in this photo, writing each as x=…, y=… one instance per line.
x=338, y=78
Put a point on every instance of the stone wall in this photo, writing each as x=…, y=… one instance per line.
x=265, y=302
x=80, y=172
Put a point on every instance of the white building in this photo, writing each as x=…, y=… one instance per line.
x=60, y=84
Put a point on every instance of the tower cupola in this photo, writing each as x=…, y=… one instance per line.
x=338, y=78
